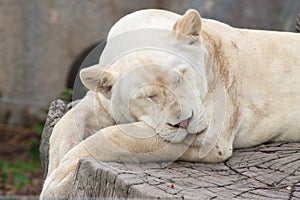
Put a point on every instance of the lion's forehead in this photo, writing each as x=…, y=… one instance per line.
x=155, y=62
x=151, y=75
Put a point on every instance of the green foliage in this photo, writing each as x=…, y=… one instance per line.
x=38, y=128
x=66, y=95
x=15, y=172
x=20, y=180
x=34, y=150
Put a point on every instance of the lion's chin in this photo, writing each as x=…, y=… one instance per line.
x=196, y=130
x=198, y=125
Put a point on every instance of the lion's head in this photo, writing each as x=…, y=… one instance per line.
x=157, y=87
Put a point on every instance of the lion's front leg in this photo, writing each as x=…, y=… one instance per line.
x=135, y=142
x=213, y=148
x=76, y=125
x=217, y=154
x=58, y=181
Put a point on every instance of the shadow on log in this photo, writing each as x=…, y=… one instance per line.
x=270, y=171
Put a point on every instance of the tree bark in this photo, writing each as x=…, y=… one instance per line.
x=57, y=109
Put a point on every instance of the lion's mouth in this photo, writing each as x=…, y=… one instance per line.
x=176, y=126
x=182, y=124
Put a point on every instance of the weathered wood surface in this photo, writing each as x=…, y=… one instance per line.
x=57, y=109
x=270, y=171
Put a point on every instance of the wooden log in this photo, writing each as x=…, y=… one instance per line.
x=270, y=171
x=57, y=109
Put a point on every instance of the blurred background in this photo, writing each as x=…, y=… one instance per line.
x=43, y=43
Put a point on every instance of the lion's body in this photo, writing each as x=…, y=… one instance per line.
x=260, y=72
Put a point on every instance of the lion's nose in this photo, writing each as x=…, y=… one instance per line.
x=184, y=123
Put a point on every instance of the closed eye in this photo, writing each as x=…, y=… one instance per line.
x=152, y=97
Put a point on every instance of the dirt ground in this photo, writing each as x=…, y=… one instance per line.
x=15, y=146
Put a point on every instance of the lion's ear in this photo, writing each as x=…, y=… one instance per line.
x=98, y=79
x=189, y=24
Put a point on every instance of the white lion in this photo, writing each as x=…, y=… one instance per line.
x=166, y=113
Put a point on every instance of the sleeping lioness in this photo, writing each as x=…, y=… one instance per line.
x=164, y=109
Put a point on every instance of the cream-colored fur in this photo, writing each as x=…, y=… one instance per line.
x=259, y=72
